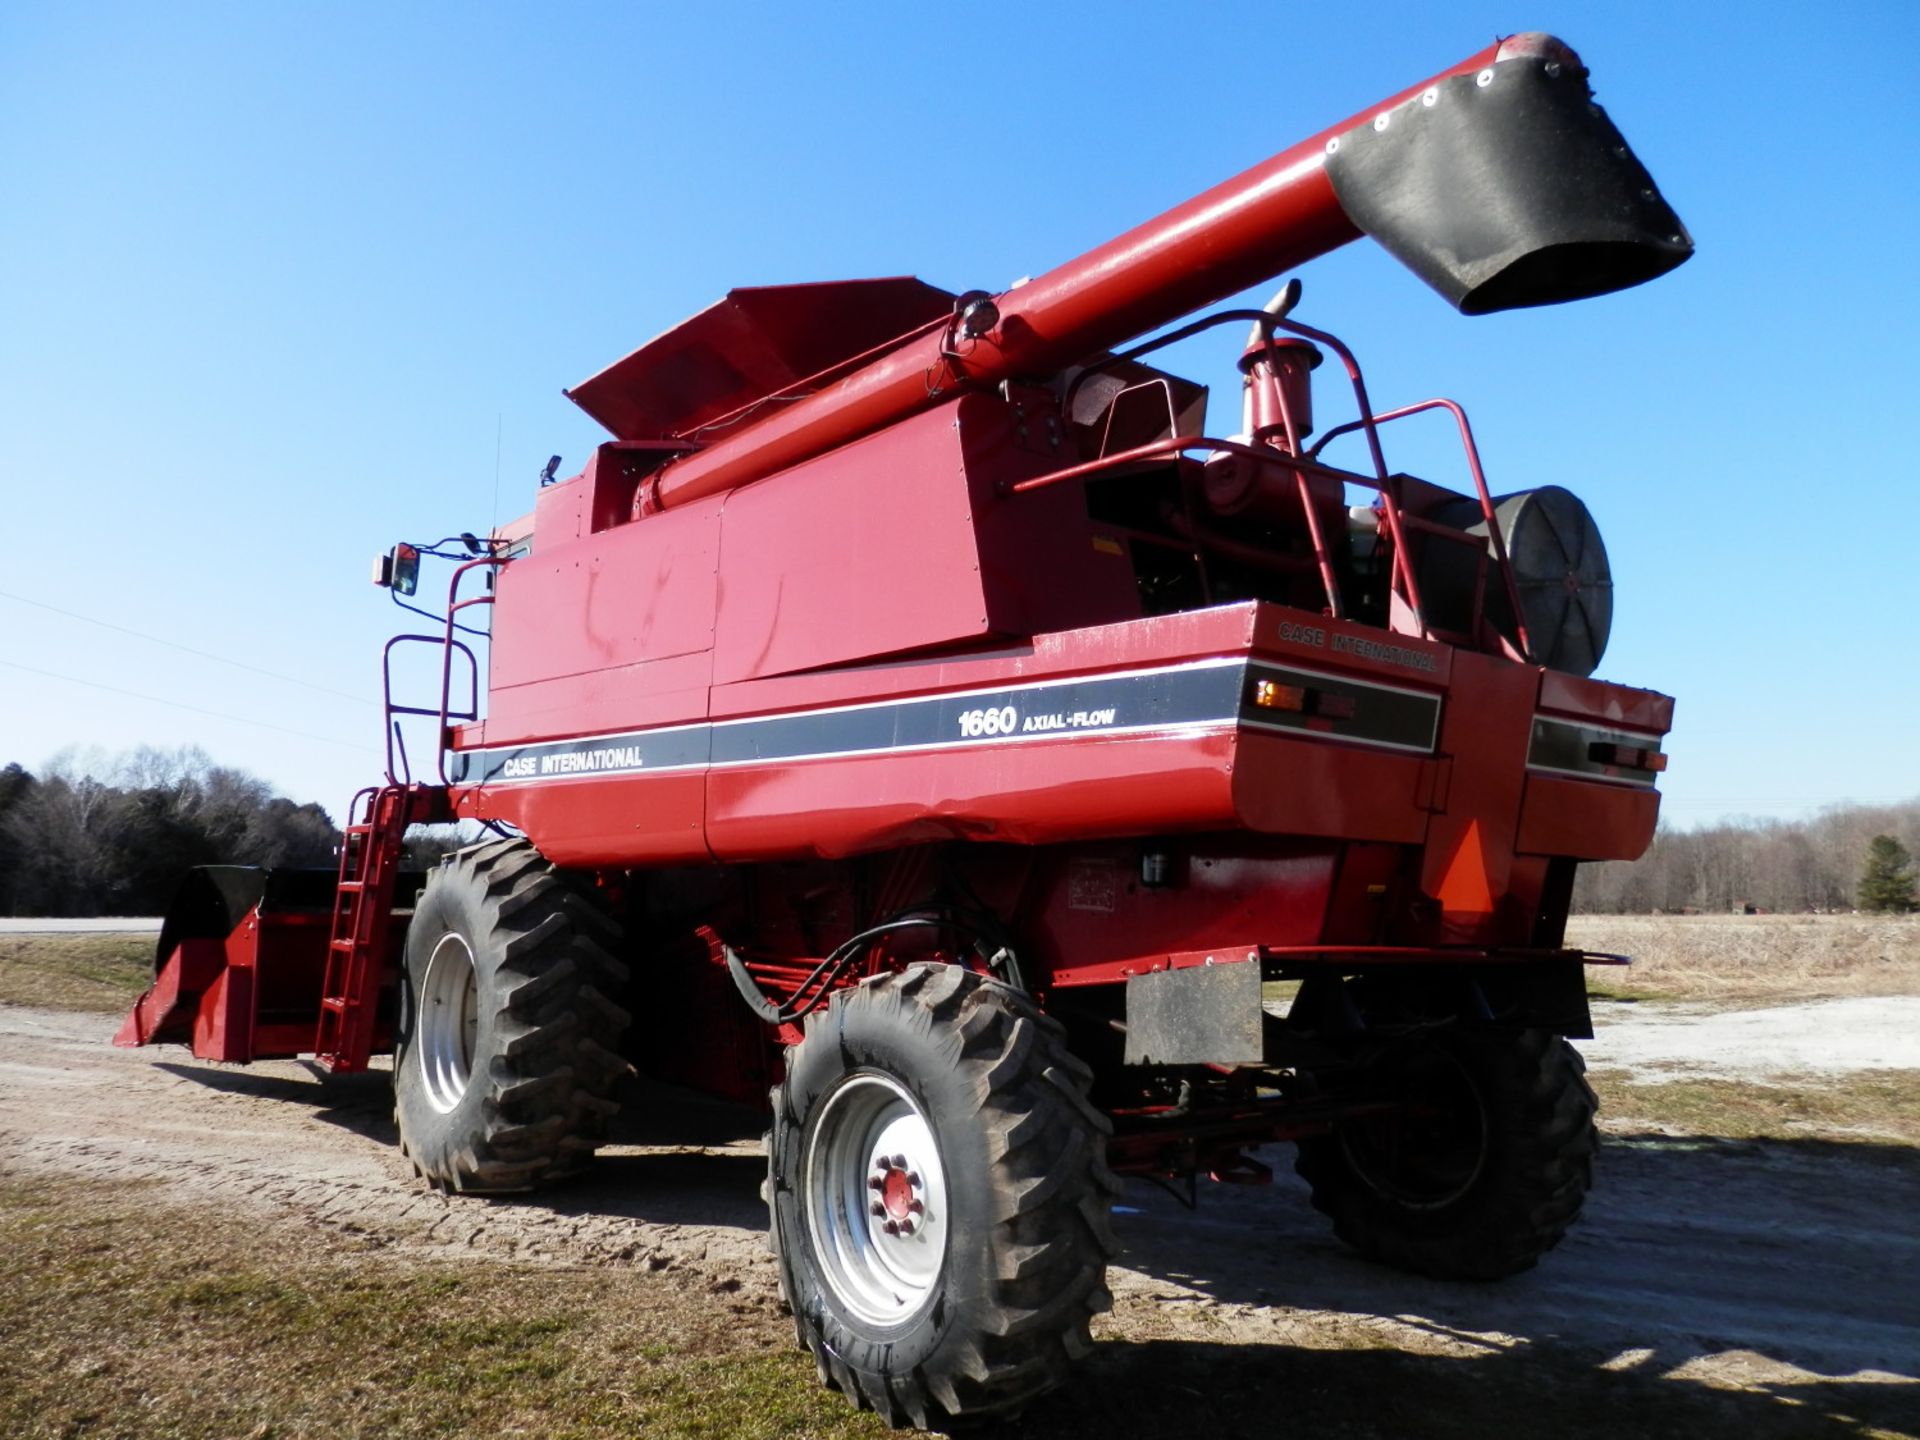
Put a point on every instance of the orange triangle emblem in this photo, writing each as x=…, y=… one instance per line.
x=1464, y=889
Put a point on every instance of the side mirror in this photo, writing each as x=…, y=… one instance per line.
x=398, y=570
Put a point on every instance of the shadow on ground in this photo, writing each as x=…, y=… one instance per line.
x=1801, y=1251
x=1173, y=1387
x=1799, y=1254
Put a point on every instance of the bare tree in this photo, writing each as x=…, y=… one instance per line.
x=101, y=835
x=1774, y=865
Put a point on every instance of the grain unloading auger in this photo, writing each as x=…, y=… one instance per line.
x=913, y=717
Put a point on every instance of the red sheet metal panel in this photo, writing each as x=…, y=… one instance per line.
x=903, y=542
x=753, y=343
x=1470, y=844
x=614, y=820
x=1285, y=786
x=1162, y=639
x=1099, y=918
x=1604, y=701
x=1586, y=819
x=637, y=648
x=663, y=691
x=1053, y=740
x=1348, y=645
x=1027, y=793
x=165, y=1013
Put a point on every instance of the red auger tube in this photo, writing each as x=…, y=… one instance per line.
x=1497, y=180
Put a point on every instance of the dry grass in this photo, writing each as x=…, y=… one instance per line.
x=1752, y=957
x=103, y=973
x=125, y=1317
x=1875, y=1105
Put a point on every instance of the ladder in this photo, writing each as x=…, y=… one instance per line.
x=358, y=939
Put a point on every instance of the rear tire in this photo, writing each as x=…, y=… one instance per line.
x=1484, y=1178
x=509, y=1045
x=939, y=1197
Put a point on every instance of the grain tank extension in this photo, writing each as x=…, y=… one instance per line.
x=913, y=721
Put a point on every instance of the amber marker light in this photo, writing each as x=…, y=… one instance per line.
x=1272, y=695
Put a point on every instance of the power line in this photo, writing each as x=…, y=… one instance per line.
x=181, y=705
x=186, y=649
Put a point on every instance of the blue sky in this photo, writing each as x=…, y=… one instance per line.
x=274, y=280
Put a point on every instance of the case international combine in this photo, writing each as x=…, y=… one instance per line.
x=913, y=722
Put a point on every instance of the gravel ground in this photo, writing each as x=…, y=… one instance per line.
x=1783, y=1263
x=1693, y=1041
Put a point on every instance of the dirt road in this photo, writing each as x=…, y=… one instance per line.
x=1788, y=1266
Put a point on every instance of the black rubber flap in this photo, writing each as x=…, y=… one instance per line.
x=1515, y=192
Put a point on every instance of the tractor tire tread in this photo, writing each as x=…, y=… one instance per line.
x=1052, y=1235
x=549, y=1086
x=1543, y=1110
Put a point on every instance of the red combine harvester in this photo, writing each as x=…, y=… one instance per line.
x=912, y=718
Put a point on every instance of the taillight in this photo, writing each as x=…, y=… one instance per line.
x=1627, y=757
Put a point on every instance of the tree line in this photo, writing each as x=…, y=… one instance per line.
x=1782, y=866
x=116, y=837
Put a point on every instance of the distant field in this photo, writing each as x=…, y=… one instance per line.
x=1675, y=957
x=1753, y=957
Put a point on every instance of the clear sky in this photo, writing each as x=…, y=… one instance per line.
x=279, y=282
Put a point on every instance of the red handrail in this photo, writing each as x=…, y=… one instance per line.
x=1307, y=464
x=1494, y=535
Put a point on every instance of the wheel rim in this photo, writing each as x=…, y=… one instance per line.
x=1429, y=1154
x=875, y=1197
x=449, y=1022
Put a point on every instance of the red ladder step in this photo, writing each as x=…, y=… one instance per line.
x=363, y=905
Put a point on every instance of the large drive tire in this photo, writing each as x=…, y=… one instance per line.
x=1483, y=1172
x=939, y=1195
x=509, y=1045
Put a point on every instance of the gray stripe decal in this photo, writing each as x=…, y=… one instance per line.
x=1382, y=714
x=1198, y=694
x=1563, y=746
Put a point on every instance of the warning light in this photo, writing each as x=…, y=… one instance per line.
x=1272, y=695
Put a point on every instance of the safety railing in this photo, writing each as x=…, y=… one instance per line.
x=444, y=713
x=1306, y=466
x=399, y=764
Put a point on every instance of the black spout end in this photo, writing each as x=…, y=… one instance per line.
x=1508, y=188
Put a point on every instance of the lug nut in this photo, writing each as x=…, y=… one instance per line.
x=891, y=1227
x=877, y=1182
x=913, y=1178
x=899, y=1162
x=878, y=1209
x=906, y=1227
